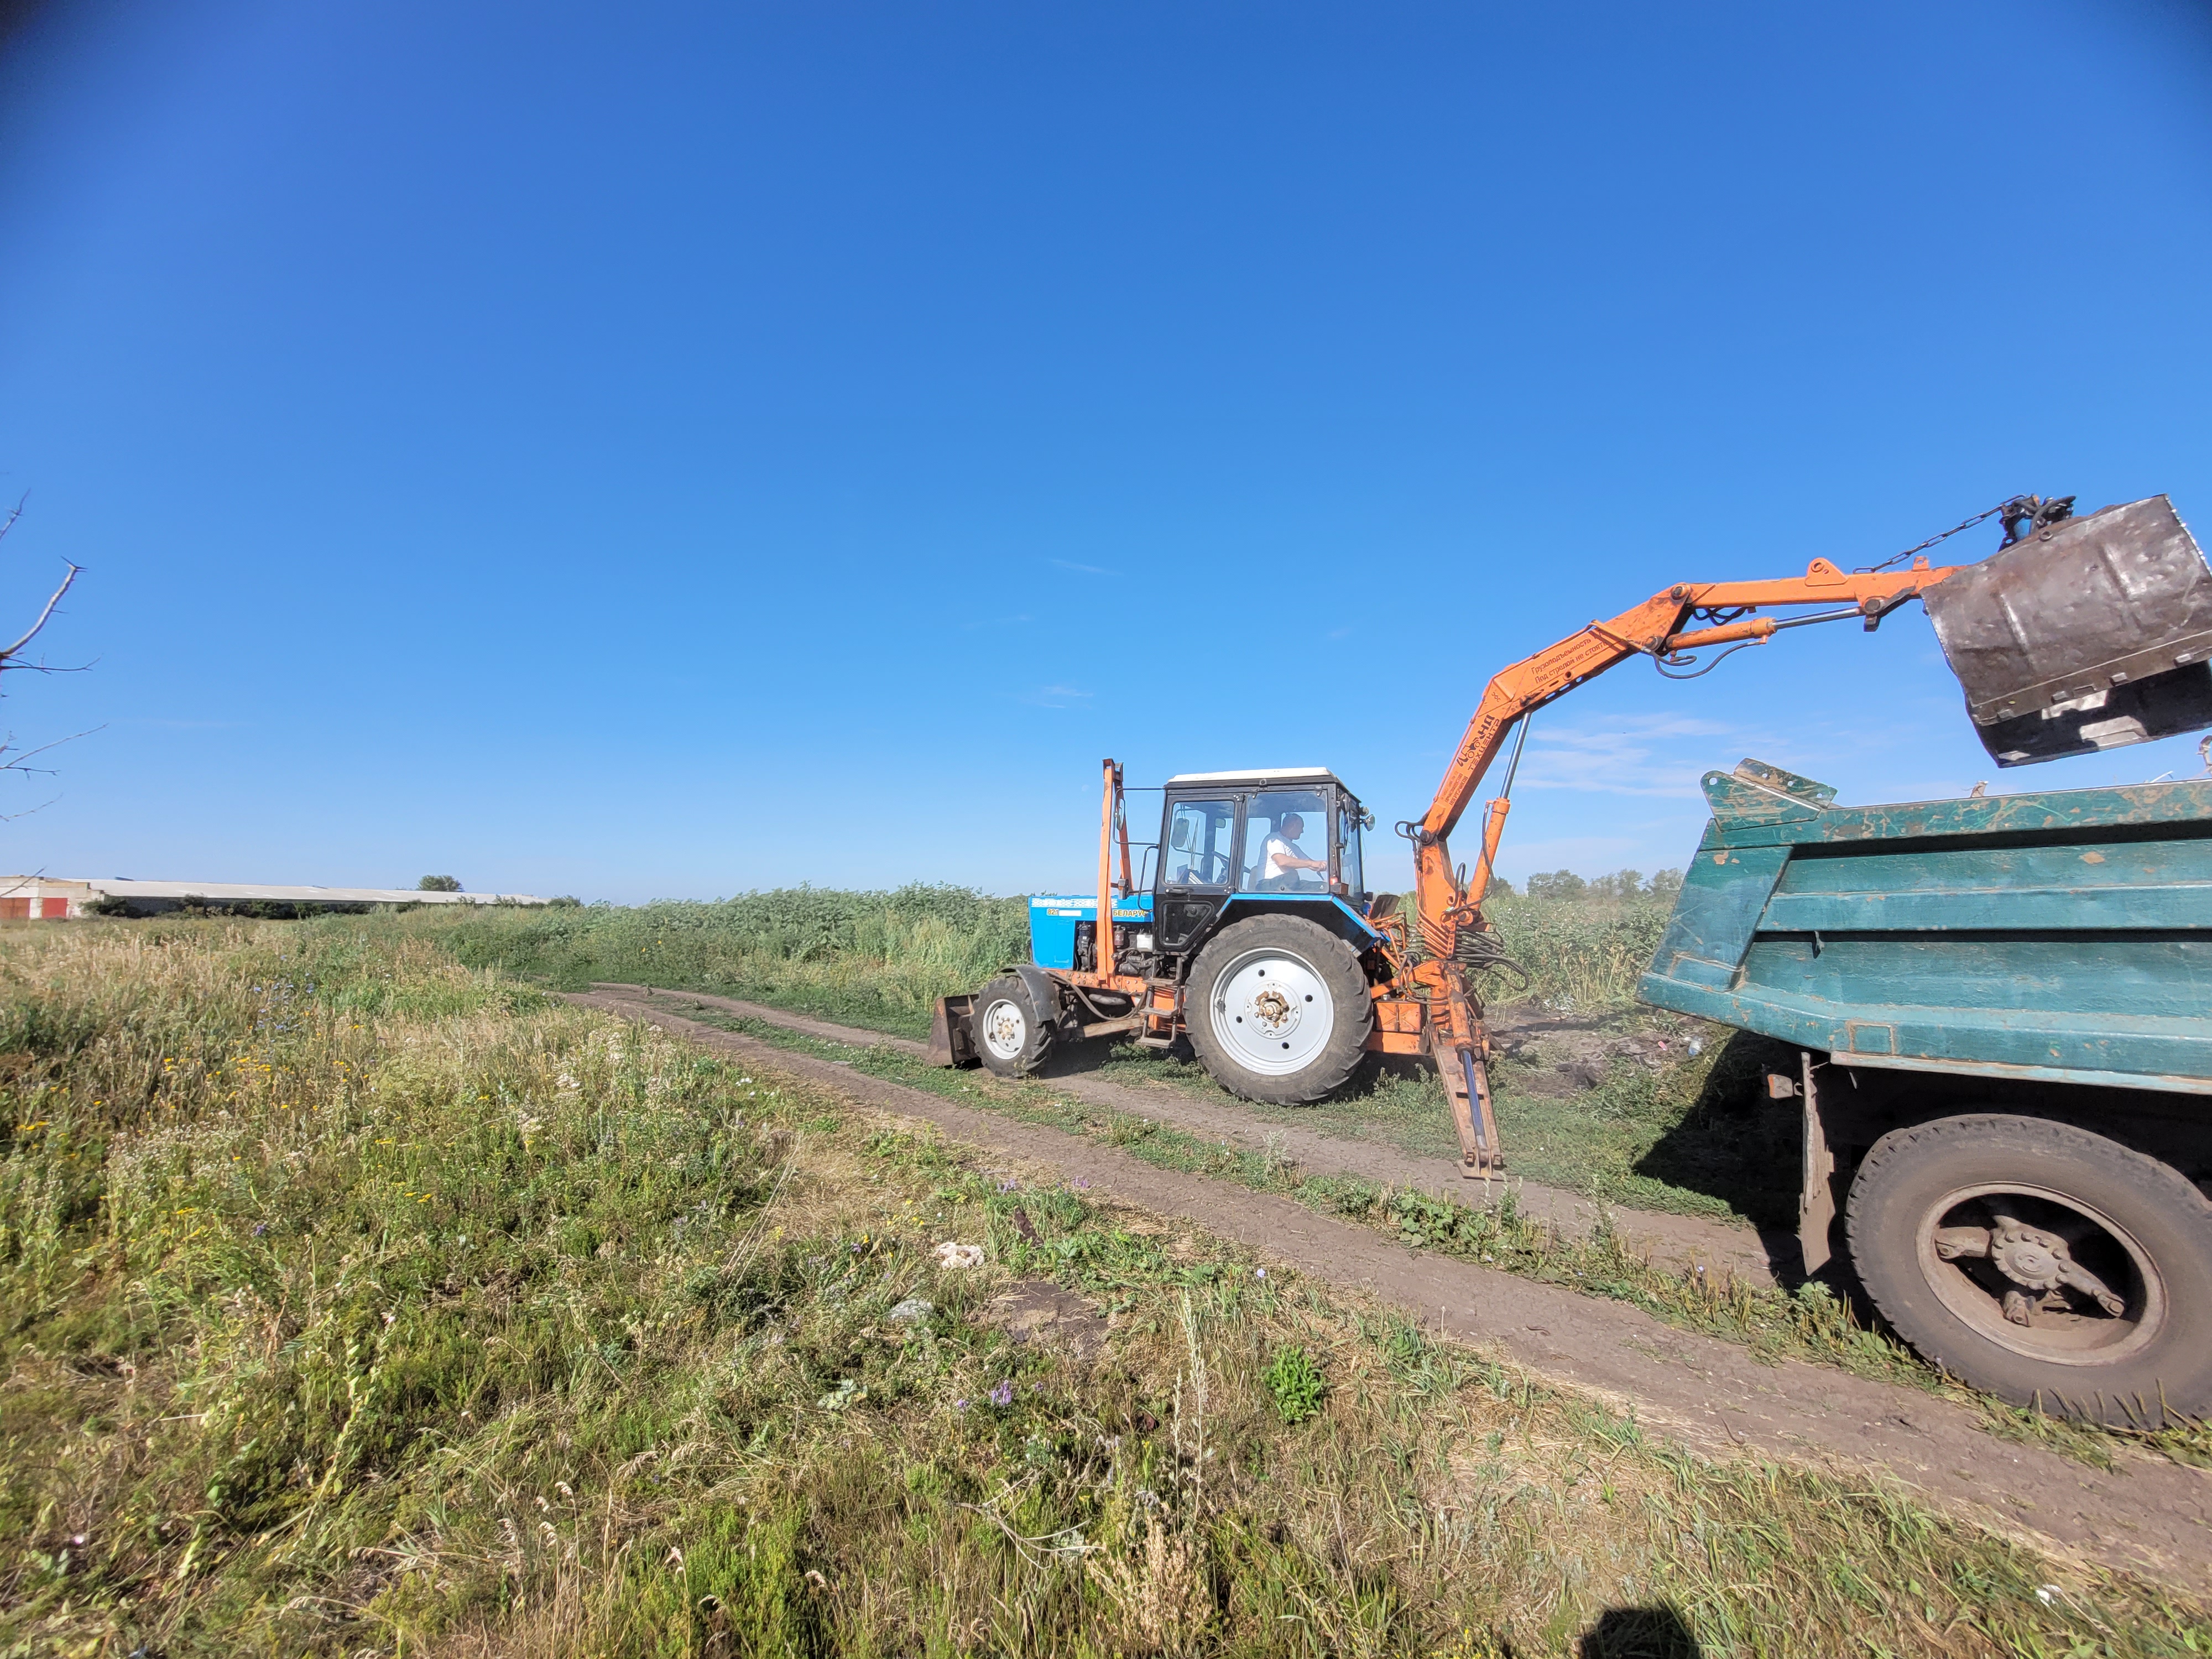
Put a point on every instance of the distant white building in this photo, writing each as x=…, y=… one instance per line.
x=53, y=898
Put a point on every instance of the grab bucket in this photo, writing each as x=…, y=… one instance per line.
x=2092, y=634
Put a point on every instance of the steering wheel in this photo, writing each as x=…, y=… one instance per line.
x=1212, y=872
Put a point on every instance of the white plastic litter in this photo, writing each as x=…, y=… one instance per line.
x=949, y=1254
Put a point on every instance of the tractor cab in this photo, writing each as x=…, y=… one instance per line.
x=1232, y=845
x=1288, y=837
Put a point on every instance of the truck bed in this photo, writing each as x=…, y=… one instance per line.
x=2064, y=937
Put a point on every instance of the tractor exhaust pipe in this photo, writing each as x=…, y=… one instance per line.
x=2082, y=634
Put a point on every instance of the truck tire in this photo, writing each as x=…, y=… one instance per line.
x=1278, y=1010
x=1013, y=1036
x=2044, y=1263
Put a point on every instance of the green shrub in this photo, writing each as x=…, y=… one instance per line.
x=1295, y=1382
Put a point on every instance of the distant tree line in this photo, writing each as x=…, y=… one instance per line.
x=1620, y=884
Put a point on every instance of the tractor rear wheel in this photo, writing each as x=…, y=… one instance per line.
x=1278, y=1010
x=1013, y=1036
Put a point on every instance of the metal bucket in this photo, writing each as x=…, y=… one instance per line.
x=952, y=1033
x=2090, y=635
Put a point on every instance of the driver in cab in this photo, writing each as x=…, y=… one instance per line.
x=1284, y=862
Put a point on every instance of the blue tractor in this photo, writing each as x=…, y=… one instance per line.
x=1247, y=926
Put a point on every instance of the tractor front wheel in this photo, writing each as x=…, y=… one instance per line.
x=1278, y=1010
x=1013, y=1036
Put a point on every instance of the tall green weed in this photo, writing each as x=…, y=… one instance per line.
x=1582, y=956
x=878, y=959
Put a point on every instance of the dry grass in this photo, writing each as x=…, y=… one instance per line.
x=358, y=1302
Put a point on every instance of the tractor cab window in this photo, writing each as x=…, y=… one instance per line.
x=1199, y=832
x=1347, y=844
x=1286, y=841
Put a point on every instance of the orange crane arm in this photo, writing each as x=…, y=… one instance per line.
x=1654, y=628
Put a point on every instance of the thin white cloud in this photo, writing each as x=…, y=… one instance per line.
x=1085, y=569
x=1057, y=696
x=1660, y=756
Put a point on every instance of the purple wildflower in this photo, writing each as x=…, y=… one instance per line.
x=1003, y=1394
x=960, y=1405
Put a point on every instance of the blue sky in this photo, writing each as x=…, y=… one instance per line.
x=668, y=450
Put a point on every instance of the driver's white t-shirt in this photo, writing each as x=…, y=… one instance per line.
x=1279, y=847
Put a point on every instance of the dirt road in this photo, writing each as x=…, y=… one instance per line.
x=1675, y=1240
x=2149, y=1516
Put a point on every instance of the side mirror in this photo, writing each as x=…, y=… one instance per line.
x=1180, y=837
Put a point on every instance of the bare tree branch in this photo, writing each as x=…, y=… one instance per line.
x=56, y=599
x=10, y=759
x=16, y=764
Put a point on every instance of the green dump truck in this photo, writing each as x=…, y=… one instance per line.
x=2002, y=1010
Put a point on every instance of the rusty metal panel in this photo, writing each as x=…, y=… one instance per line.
x=2091, y=633
x=952, y=1033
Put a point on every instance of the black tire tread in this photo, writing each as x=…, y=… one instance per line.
x=2169, y=1380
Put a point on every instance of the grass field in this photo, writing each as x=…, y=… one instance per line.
x=361, y=1302
x=881, y=959
x=874, y=959
x=1665, y=1130
x=1808, y=1322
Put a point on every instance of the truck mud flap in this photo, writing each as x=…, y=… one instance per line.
x=952, y=1033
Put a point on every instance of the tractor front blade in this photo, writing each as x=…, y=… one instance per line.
x=952, y=1033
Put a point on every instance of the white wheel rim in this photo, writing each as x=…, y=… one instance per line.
x=1272, y=1012
x=1006, y=1029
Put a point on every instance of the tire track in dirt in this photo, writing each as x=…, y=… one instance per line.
x=2147, y=1516
x=1675, y=1241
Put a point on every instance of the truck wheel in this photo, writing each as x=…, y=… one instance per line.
x=1013, y=1034
x=1278, y=1010
x=2044, y=1263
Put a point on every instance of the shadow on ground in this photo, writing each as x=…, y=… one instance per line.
x=1734, y=1143
x=1638, y=1634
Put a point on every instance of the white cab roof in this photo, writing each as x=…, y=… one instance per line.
x=1260, y=774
